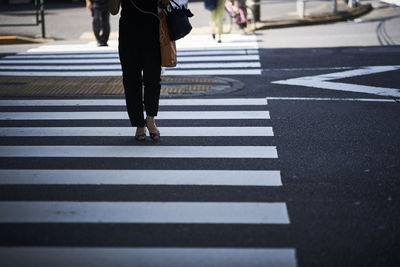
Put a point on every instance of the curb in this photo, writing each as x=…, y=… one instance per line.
x=351, y=13
x=10, y=40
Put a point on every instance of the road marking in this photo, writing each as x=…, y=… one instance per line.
x=121, y=102
x=322, y=81
x=117, y=115
x=115, y=54
x=392, y=2
x=140, y=151
x=116, y=60
x=129, y=131
x=114, y=67
x=197, y=55
x=332, y=99
x=142, y=177
x=143, y=212
x=147, y=257
x=111, y=73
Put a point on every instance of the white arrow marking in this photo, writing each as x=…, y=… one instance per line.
x=322, y=81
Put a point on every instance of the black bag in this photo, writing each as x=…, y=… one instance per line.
x=210, y=4
x=177, y=21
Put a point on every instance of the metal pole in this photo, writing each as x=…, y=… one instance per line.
x=42, y=18
x=301, y=8
x=256, y=9
x=335, y=6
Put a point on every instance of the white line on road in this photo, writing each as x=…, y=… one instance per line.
x=212, y=72
x=116, y=60
x=142, y=177
x=117, y=115
x=322, y=81
x=129, y=131
x=331, y=99
x=121, y=102
x=244, y=64
x=140, y=151
x=115, y=54
x=147, y=257
x=143, y=212
x=111, y=73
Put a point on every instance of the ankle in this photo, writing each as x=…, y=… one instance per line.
x=151, y=125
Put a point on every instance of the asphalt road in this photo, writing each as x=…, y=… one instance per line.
x=338, y=152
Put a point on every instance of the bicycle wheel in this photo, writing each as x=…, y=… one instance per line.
x=250, y=19
x=227, y=22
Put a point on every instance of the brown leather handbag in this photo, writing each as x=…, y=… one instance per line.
x=168, y=47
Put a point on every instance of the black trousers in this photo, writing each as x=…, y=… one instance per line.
x=141, y=70
x=101, y=24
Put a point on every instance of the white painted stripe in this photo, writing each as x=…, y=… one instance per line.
x=322, y=81
x=141, y=151
x=110, y=73
x=185, y=52
x=213, y=72
x=62, y=61
x=121, y=102
x=117, y=115
x=243, y=64
x=142, y=177
x=213, y=46
x=392, y=2
x=129, y=131
x=317, y=83
x=250, y=45
x=332, y=99
x=62, y=73
x=143, y=212
x=357, y=72
x=116, y=60
x=147, y=257
x=118, y=66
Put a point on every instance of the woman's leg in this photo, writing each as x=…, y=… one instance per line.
x=105, y=26
x=213, y=21
x=152, y=78
x=219, y=16
x=96, y=23
x=131, y=63
x=152, y=86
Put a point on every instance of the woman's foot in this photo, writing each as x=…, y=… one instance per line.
x=140, y=133
x=152, y=127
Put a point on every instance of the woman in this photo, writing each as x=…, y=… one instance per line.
x=217, y=16
x=139, y=52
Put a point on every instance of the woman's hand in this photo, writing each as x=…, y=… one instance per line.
x=114, y=6
x=88, y=4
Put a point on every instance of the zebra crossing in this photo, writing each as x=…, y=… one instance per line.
x=92, y=196
x=197, y=55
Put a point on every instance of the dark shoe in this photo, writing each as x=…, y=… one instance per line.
x=155, y=136
x=102, y=44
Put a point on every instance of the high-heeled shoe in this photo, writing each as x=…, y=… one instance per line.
x=151, y=125
x=140, y=135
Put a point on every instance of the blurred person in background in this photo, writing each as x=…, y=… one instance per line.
x=216, y=23
x=101, y=20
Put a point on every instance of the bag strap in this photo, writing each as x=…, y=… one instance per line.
x=174, y=3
